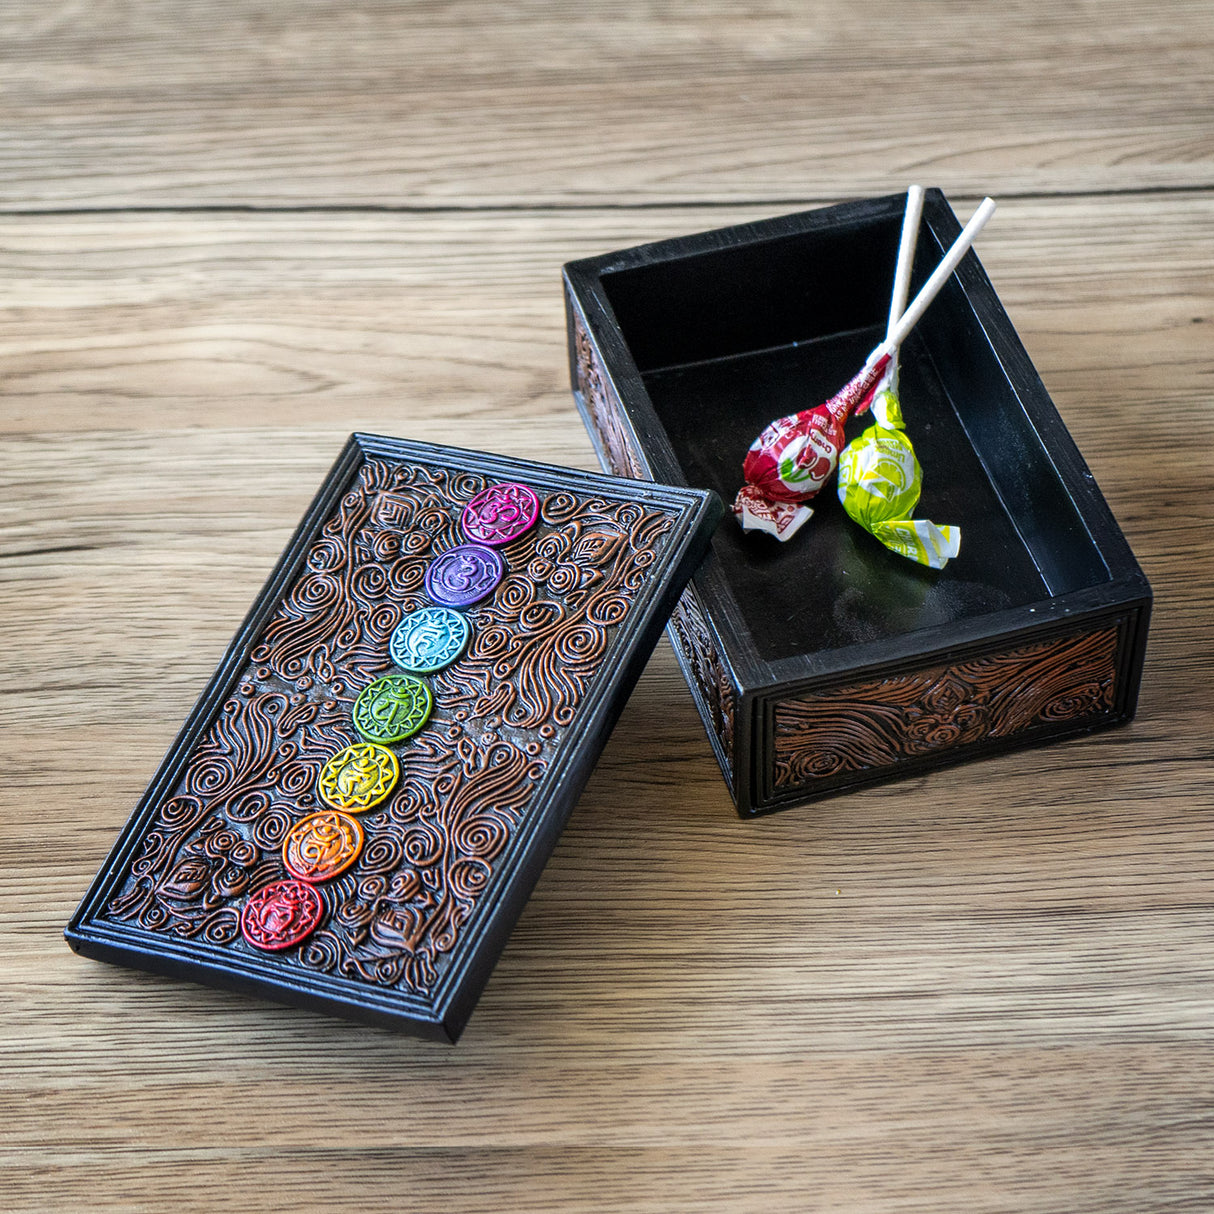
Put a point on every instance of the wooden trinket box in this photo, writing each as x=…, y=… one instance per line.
x=333, y=831
x=829, y=662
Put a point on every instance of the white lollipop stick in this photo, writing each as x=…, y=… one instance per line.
x=906, y=256
x=902, y=272
x=930, y=289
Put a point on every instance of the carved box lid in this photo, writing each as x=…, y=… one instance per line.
x=358, y=807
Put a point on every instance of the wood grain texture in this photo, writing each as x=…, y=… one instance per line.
x=457, y=103
x=987, y=989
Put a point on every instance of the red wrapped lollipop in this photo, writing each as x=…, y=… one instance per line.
x=794, y=456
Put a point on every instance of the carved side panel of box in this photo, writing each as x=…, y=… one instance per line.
x=602, y=408
x=717, y=697
x=1058, y=685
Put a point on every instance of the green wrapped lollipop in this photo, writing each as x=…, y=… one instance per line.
x=879, y=484
x=879, y=475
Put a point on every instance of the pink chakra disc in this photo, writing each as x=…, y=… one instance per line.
x=501, y=513
x=281, y=914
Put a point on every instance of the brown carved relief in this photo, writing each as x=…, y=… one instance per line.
x=889, y=721
x=604, y=407
x=467, y=779
x=708, y=669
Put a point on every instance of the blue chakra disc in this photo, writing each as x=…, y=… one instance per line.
x=427, y=640
x=462, y=576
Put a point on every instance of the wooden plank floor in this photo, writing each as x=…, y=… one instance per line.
x=230, y=235
x=469, y=103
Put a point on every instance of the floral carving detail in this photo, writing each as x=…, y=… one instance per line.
x=718, y=696
x=542, y=637
x=467, y=779
x=604, y=407
x=400, y=911
x=191, y=867
x=889, y=721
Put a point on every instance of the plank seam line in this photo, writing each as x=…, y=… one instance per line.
x=555, y=207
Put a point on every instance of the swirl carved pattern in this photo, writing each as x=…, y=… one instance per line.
x=501, y=714
x=707, y=667
x=604, y=407
x=890, y=721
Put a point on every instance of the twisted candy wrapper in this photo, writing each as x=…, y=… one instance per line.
x=879, y=484
x=795, y=455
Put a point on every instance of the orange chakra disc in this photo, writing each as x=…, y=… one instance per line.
x=322, y=845
x=358, y=777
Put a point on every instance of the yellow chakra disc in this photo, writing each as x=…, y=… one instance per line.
x=322, y=845
x=358, y=777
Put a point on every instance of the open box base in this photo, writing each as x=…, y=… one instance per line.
x=829, y=661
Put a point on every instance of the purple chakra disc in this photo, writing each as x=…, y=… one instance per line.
x=462, y=576
x=500, y=514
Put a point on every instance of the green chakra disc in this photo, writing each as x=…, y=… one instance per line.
x=392, y=708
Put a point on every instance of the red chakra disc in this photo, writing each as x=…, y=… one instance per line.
x=501, y=513
x=281, y=914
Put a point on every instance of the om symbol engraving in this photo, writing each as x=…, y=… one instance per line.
x=392, y=708
x=427, y=640
x=280, y=915
x=464, y=575
x=500, y=514
x=322, y=845
x=358, y=777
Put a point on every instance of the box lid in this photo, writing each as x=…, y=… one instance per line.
x=276, y=851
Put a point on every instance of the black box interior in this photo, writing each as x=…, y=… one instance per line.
x=728, y=339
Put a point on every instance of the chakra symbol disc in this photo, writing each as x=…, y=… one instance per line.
x=500, y=513
x=429, y=639
x=462, y=576
x=358, y=777
x=322, y=845
x=280, y=915
x=392, y=708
